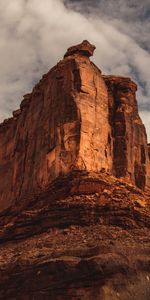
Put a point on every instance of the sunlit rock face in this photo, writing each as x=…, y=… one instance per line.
x=74, y=119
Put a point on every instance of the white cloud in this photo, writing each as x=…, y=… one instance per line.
x=35, y=35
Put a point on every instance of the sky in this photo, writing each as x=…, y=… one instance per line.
x=35, y=34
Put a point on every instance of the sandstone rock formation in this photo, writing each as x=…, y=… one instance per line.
x=74, y=119
x=75, y=188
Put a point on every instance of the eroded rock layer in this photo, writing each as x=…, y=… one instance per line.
x=86, y=237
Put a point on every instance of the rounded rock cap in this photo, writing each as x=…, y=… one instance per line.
x=85, y=48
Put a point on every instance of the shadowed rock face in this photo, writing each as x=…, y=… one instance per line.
x=73, y=222
x=130, y=149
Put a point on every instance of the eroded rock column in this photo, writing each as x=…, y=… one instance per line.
x=130, y=151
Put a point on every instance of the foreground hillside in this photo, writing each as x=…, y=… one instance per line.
x=87, y=237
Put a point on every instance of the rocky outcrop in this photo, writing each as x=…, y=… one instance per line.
x=84, y=49
x=74, y=188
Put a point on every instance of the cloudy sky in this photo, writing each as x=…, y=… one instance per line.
x=35, y=34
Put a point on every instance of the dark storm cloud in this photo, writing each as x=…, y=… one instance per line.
x=35, y=34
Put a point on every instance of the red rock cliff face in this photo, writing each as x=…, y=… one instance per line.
x=69, y=227
x=74, y=119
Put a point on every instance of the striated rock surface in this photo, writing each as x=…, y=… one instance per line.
x=75, y=188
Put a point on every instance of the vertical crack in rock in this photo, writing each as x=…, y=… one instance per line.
x=24, y=164
x=77, y=80
x=95, y=128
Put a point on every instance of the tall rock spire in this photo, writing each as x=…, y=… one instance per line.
x=74, y=119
